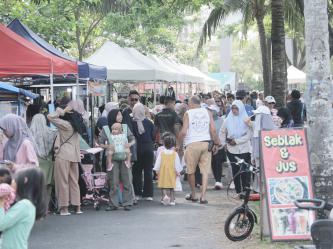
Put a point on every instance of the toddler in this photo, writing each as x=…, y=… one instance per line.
x=119, y=148
x=168, y=167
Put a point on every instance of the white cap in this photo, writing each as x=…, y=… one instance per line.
x=270, y=99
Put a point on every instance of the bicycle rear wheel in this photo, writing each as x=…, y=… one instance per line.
x=239, y=225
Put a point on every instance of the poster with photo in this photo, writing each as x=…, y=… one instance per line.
x=287, y=178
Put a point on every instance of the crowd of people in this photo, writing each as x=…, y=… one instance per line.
x=176, y=139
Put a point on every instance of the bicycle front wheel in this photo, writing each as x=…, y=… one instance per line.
x=239, y=225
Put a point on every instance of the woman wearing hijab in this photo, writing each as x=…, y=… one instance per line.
x=108, y=107
x=20, y=149
x=44, y=138
x=67, y=157
x=120, y=172
x=235, y=134
x=78, y=106
x=144, y=133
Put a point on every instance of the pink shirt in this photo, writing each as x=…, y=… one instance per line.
x=26, y=156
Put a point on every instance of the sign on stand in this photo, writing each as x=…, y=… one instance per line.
x=288, y=177
x=96, y=88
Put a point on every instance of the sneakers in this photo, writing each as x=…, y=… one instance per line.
x=149, y=199
x=173, y=203
x=166, y=200
x=232, y=185
x=218, y=185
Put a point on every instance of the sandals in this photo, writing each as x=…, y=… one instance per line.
x=190, y=198
x=203, y=201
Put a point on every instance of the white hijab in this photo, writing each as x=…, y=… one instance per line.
x=236, y=126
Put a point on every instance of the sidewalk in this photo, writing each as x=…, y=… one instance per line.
x=148, y=226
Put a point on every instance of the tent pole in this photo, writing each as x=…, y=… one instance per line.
x=52, y=93
x=87, y=93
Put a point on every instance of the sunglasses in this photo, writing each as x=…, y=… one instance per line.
x=133, y=99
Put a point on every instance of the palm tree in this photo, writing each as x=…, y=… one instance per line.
x=279, y=67
x=319, y=104
x=251, y=10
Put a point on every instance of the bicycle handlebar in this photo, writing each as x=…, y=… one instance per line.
x=310, y=204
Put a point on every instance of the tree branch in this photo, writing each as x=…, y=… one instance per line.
x=92, y=26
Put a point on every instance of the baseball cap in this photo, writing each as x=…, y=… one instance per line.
x=270, y=99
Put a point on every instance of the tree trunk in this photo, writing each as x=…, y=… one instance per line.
x=78, y=32
x=279, y=77
x=264, y=53
x=319, y=96
x=269, y=56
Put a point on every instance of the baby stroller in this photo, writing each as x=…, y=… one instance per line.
x=97, y=191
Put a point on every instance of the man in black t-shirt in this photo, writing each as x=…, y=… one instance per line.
x=167, y=119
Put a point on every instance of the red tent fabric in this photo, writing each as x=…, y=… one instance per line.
x=21, y=57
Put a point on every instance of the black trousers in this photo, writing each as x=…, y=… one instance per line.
x=243, y=180
x=144, y=163
x=217, y=161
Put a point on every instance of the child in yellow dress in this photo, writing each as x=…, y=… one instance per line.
x=168, y=167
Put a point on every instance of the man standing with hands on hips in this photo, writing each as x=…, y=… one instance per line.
x=197, y=133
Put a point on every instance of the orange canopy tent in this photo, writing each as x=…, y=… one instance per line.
x=21, y=57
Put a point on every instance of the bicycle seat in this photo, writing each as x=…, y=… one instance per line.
x=322, y=234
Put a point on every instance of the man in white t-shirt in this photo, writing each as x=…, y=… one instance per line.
x=197, y=132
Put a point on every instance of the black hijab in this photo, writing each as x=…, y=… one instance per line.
x=112, y=117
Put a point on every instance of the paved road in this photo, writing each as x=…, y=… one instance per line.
x=147, y=226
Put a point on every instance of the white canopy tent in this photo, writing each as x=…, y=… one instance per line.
x=161, y=73
x=295, y=75
x=211, y=83
x=181, y=76
x=191, y=77
x=121, y=65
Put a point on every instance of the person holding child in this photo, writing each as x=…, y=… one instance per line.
x=119, y=165
x=118, y=146
x=168, y=168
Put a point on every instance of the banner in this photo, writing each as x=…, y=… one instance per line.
x=96, y=89
x=287, y=177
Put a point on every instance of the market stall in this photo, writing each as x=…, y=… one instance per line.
x=21, y=58
x=86, y=71
x=12, y=99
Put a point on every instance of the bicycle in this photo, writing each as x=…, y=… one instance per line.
x=321, y=230
x=242, y=219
